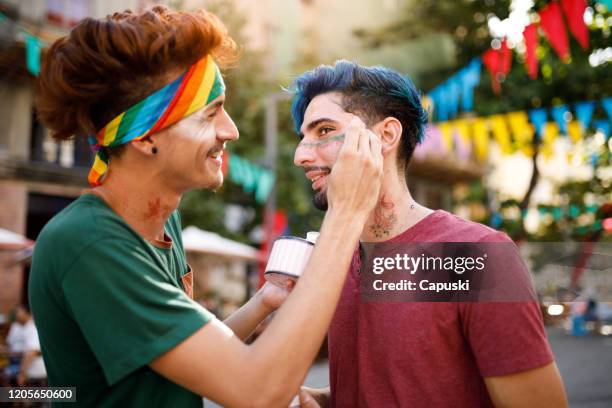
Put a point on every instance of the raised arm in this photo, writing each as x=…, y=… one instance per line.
x=213, y=362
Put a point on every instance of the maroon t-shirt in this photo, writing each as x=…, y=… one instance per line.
x=428, y=354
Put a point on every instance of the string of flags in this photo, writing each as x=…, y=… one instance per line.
x=515, y=131
x=550, y=22
x=556, y=213
x=253, y=178
x=33, y=44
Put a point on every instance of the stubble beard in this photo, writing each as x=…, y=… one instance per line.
x=319, y=200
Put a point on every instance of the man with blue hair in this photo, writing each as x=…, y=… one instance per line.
x=417, y=354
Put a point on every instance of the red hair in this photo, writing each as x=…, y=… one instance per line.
x=104, y=66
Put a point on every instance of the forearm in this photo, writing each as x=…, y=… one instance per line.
x=288, y=346
x=246, y=319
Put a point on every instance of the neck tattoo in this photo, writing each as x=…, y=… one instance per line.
x=385, y=218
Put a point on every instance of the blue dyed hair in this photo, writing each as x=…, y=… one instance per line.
x=373, y=93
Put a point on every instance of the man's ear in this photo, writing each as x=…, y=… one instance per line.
x=145, y=146
x=390, y=131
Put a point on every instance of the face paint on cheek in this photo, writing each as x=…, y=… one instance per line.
x=330, y=148
x=338, y=139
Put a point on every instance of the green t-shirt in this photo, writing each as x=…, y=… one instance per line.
x=106, y=303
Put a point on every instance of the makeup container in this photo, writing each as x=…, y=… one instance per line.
x=288, y=258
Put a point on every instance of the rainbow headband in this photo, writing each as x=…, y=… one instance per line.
x=193, y=90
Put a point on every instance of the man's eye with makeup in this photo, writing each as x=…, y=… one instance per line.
x=323, y=131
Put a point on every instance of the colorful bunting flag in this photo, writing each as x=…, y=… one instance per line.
x=575, y=131
x=469, y=79
x=584, y=112
x=559, y=114
x=251, y=177
x=33, y=48
x=538, y=117
x=446, y=131
x=551, y=132
x=498, y=63
x=481, y=138
x=522, y=131
x=607, y=105
x=551, y=20
x=452, y=90
x=574, y=14
x=501, y=133
x=513, y=131
x=530, y=34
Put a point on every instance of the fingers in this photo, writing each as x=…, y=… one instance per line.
x=307, y=401
x=353, y=134
x=376, y=149
x=290, y=284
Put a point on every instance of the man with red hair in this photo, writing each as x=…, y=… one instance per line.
x=109, y=284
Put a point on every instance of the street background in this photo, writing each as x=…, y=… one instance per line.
x=520, y=103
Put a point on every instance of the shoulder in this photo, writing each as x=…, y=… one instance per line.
x=76, y=228
x=448, y=227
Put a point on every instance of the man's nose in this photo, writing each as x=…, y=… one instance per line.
x=226, y=129
x=304, y=156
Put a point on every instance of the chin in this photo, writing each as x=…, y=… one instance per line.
x=320, y=200
x=213, y=183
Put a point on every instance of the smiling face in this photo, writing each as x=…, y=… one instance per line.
x=321, y=139
x=191, y=151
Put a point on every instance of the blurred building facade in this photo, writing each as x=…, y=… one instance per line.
x=38, y=176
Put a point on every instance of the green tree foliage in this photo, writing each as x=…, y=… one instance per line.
x=466, y=21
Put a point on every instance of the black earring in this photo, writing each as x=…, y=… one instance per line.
x=154, y=150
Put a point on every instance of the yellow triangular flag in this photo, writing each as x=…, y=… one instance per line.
x=481, y=138
x=500, y=133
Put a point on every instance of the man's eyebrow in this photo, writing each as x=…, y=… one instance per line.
x=214, y=106
x=316, y=123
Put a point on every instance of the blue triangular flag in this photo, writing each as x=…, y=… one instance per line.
x=453, y=93
x=584, y=113
x=558, y=113
x=602, y=125
x=440, y=107
x=470, y=79
x=607, y=105
x=538, y=118
x=33, y=47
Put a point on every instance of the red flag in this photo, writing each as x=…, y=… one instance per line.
x=551, y=21
x=574, y=14
x=531, y=42
x=273, y=229
x=498, y=62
